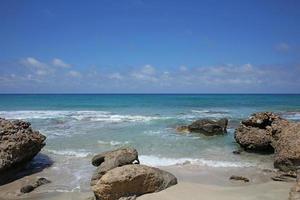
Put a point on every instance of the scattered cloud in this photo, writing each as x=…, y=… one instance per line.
x=116, y=76
x=146, y=73
x=33, y=74
x=59, y=63
x=74, y=74
x=183, y=68
x=37, y=66
x=283, y=47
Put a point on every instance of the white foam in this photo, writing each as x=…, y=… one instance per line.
x=112, y=143
x=79, y=153
x=208, y=114
x=101, y=116
x=162, y=161
x=292, y=116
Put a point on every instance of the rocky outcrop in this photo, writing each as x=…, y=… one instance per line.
x=260, y=131
x=112, y=159
x=287, y=149
x=19, y=143
x=265, y=132
x=206, y=126
x=130, y=180
x=119, y=176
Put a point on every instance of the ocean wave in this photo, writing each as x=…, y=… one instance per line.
x=291, y=115
x=205, y=114
x=113, y=143
x=99, y=116
x=71, y=153
x=162, y=161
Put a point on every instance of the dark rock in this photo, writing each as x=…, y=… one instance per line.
x=206, y=126
x=130, y=180
x=112, y=159
x=27, y=189
x=239, y=178
x=41, y=181
x=18, y=144
x=237, y=152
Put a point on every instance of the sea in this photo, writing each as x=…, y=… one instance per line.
x=79, y=126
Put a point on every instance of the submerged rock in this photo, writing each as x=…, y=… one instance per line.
x=206, y=126
x=112, y=159
x=19, y=143
x=132, y=180
x=27, y=189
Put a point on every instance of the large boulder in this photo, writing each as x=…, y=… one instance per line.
x=260, y=131
x=112, y=159
x=19, y=143
x=287, y=150
x=206, y=126
x=132, y=180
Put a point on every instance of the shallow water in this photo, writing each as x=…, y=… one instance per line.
x=79, y=126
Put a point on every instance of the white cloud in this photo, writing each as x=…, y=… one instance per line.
x=146, y=73
x=74, y=74
x=116, y=76
x=38, y=67
x=32, y=62
x=183, y=68
x=59, y=63
x=148, y=70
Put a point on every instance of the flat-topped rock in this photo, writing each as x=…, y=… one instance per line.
x=206, y=126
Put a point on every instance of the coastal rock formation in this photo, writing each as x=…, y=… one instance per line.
x=119, y=175
x=206, y=126
x=287, y=150
x=19, y=143
x=131, y=180
x=260, y=131
x=112, y=159
x=267, y=131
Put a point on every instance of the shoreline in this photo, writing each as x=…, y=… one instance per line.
x=205, y=182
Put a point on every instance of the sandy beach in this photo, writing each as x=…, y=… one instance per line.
x=194, y=182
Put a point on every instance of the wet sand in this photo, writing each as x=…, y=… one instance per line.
x=194, y=182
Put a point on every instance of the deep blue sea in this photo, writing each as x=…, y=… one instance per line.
x=79, y=126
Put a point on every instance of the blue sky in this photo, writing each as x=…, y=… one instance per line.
x=149, y=46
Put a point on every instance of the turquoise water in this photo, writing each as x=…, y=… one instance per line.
x=78, y=126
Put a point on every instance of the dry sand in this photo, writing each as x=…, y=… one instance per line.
x=194, y=183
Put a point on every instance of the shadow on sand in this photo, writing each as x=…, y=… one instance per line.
x=37, y=164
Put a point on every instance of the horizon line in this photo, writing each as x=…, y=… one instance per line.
x=158, y=93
